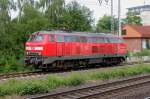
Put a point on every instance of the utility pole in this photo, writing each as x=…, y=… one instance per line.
x=112, y=18
x=119, y=18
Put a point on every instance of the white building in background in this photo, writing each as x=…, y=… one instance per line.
x=144, y=12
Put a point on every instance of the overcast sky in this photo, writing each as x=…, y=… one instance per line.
x=99, y=11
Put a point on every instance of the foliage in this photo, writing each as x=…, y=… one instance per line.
x=142, y=53
x=104, y=24
x=76, y=17
x=132, y=18
x=37, y=86
x=75, y=79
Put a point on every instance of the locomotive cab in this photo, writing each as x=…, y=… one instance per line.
x=35, y=49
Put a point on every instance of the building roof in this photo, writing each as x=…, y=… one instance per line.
x=139, y=7
x=144, y=31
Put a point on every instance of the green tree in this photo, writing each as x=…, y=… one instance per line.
x=20, y=4
x=53, y=10
x=132, y=18
x=104, y=24
x=5, y=8
x=6, y=43
x=77, y=17
x=30, y=21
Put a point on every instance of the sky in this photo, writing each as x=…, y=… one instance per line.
x=99, y=11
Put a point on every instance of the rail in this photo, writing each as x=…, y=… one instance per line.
x=23, y=74
x=130, y=61
x=100, y=90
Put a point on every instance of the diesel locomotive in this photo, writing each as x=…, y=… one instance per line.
x=65, y=49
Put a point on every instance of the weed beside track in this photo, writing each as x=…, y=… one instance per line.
x=31, y=87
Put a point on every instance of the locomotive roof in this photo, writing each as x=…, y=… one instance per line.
x=75, y=33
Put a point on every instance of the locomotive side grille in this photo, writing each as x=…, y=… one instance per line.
x=67, y=51
x=78, y=50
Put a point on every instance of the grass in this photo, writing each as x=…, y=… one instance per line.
x=31, y=87
x=12, y=65
x=15, y=69
x=144, y=52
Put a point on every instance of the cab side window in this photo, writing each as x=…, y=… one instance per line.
x=83, y=39
x=59, y=38
x=52, y=38
x=77, y=39
x=68, y=38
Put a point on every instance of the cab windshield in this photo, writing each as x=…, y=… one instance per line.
x=36, y=38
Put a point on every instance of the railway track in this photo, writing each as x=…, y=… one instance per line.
x=23, y=74
x=35, y=73
x=99, y=91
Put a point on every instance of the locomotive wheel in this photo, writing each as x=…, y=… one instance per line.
x=44, y=69
x=54, y=64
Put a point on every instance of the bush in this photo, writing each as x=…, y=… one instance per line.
x=34, y=87
x=10, y=87
x=9, y=63
x=142, y=53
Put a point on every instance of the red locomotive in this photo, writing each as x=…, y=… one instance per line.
x=63, y=49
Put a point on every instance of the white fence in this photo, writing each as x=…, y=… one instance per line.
x=138, y=59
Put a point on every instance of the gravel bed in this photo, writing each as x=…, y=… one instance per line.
x=142, y=92
x=13, y=97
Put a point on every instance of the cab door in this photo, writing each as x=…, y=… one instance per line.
x=50, y=47
x=67, y=45
x=60, y=45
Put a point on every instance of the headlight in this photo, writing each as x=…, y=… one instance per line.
x=38, y=48
x=28, y=48
x=27, y=53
